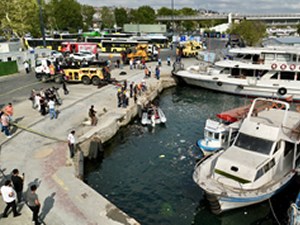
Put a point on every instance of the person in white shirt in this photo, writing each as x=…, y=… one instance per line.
x=71, y=143
x=51, y=105
x=26, y=66
x=9, y=198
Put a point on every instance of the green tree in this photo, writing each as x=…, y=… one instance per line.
x=188, y=25
x=146, y=15
x=164, y=11
x=250, y=31
x=133, y=16
x=18, y=16
x=64, y=14
x=87, y=13
x=108, y=18
x=121, y=16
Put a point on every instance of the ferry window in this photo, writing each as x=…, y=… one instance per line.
x=288, y=147
x=275, y=76
x=269, y=56
x=287, y=75
x=255, y=144
x=259, y=174
x=266, y=167
x=272, y=163
x=298, y=76
x=248, y=72
x=283, y=57
x=225, y=71
x=294, y=59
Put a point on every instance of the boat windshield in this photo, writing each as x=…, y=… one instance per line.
x=254, y=144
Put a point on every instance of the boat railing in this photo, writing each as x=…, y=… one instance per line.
x=294, y=131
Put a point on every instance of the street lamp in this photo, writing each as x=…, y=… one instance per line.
x=42, y=24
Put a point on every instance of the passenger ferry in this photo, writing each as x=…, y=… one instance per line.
x=261, y=161
x=252, y=72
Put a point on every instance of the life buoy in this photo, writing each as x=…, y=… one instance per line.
x=219, y=83
x=274, y=66
x=298, y=108
x=293, y=66
x=283, y=66
x=271, y=106
x=282, y=91
x=279, y=106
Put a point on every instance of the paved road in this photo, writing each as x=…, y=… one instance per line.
x=13, y=82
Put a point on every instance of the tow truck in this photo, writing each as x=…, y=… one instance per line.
x=189, y=49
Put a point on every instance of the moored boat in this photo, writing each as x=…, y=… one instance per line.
x=261, y=161
x=272, y=72
x=220, y=134
x=153, y=115
x=295, y=212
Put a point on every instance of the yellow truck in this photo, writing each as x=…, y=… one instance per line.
x=141, y=51
x=189, y=49
x=95, y=76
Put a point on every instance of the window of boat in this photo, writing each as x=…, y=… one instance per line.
x=294, y=58
x=259, y=174
x=217, y=136
x=269, y=56
x=254, y=144
x=209, y=134
x=277, y=147
x=288, y=147
x=287, y=75
x=275, y=76
x=298, y=76
x=225, y=71
x=283, y=57
x=248, y=72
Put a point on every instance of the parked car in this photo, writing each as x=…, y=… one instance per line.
x=82, y=57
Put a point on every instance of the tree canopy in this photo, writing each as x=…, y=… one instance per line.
x=87, y=13
x=108, y=18
x=250, y=31
x=121, y=16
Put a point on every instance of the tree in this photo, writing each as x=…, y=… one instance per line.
x=250, y=31
x=121, y=16
x=18, y=16
x=87, y=13
x=108, y=18
x=64, y=14
x=188, y=25
x=133, y=16
x=146, y=15
x=164, y=11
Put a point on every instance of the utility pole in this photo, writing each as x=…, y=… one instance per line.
x=42, y=24
x=172, y=16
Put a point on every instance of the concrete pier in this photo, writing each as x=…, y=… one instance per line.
x=64, y=198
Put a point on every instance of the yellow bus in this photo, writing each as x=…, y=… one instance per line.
x=117, y=45
x=53, y=44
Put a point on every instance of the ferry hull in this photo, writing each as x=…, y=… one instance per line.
x=240, y=87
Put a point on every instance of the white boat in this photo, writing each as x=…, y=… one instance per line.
x=271, y=72
x=220, y=134
x=261, y=161
x=153, y=116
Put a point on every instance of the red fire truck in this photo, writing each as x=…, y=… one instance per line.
x=73, y=47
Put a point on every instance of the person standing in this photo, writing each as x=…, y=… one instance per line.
x=9, y=111
x=130, y=63
x=159, y=62
x=169, y=61
x=92, y=115
x=34, y=204
x=37, y=101
x=51, y=105
x=157, y=73
x=119, y=95
x=29, y=64
x=5, y=123
x=43, y=106
x=9, y=198
x=131, y=88
x=32, y=98
x=18, y=184
x=71, y=143
x=121, y=64
x=26, y=66
x=66, y=92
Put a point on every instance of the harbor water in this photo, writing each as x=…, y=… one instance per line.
x=147, y=173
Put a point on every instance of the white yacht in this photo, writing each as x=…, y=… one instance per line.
x=272, y=72
x=261, y=161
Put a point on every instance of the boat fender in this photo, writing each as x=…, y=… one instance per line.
x=283, y=66
x=282, y=91
x=298, y=108
x=274, y=66
x=293, y=66
x=219, y=83
x=240, y=86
